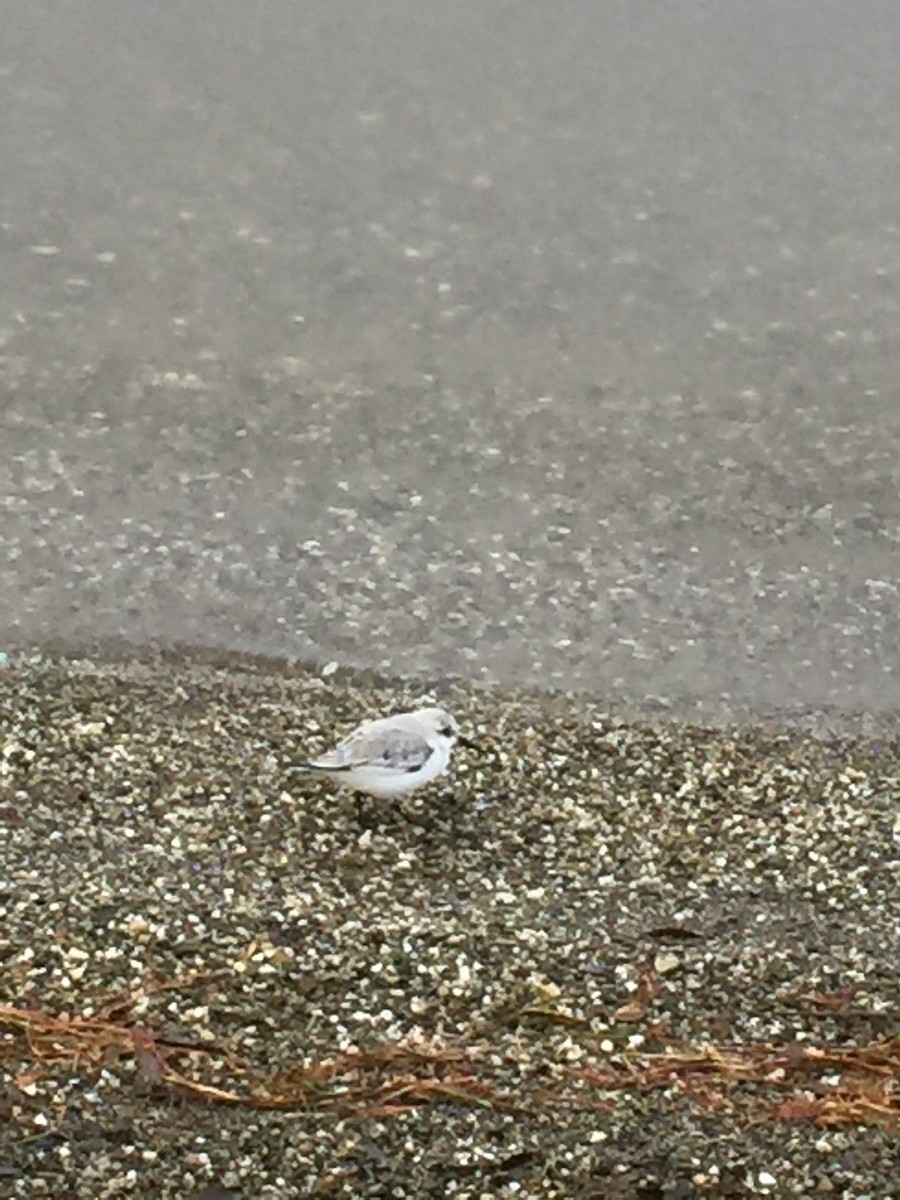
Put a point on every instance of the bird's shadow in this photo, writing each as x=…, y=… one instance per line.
x=448, y=813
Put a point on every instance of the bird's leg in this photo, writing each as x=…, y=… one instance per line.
x=363, y=815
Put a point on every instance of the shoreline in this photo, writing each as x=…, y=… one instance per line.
x=826, y=722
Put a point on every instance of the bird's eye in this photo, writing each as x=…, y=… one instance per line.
x=447, y=731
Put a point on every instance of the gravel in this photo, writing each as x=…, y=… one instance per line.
x=467, y=995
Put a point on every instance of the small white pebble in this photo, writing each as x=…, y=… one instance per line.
x=666, y=962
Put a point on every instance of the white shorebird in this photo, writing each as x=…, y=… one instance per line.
x=392, y=756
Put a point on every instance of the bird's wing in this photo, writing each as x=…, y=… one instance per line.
x=391, y=748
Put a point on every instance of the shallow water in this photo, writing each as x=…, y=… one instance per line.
x=453, y=341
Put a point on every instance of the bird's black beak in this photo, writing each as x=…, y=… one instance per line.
x=469, y=743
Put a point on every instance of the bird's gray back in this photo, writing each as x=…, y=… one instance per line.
x=386, y=745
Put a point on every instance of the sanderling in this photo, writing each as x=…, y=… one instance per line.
x=392, y=756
